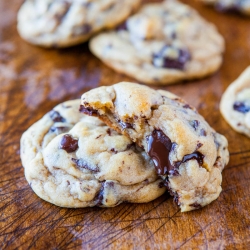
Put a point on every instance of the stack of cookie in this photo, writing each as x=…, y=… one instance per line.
x=128, y=142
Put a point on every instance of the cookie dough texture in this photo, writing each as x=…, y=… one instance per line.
x=73, y=160
x=235, y=104
x=162, y=44
x=241, y=6
x=63, y=23
x=188, y=154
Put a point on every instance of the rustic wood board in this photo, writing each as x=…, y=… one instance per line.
x=33, y=80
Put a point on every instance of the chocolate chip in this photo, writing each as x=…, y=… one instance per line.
x=113, y=150
x=203, y=132
x=199, y=145
x=68, y=143
x=125, y=125
x=187, y=106
x=196, y=205
x=194, y=156
x=81, y=163
x=161, y=184
x=195, y=124
x=84, y=29
x=99, y=197
x=177, y=62
x=122, y=26
x=158, y=148
x=109, y=131
x=56, y=117
x=88, y=111
x=241, y=107
x=59, y=130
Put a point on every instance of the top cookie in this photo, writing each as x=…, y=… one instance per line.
x=231, y=5
x=188, y=154
x=235, y=104
x=63, y=23
x=73, y=160
x=163, y=43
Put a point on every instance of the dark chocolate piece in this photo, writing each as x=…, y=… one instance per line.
x=59, y=130
x=195, y=124
x=172, y=63
x=81, y=163
x=241, y=107
x=125, y=125
x=68, y=143
x=159, y=146
x=56, y=117
x=88, y=111
x=196, y=205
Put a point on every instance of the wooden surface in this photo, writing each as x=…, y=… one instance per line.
x=33, y=80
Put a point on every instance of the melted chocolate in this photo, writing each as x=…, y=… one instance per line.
x=194, y=156
x=68, y=143
x=81, y=163
x=159, y=146
x=88, y=111
x=241, y=107
x=56, y=117
x=172, y=63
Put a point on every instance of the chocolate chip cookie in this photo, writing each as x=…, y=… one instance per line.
x=162, y=44
x=187, y=153
x=73, y=160
x=63, y=23
x=235, y=104
x=240, y=6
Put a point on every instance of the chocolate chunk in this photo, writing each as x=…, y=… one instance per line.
x=109, y=131
x=68, y=143
x=196, y=205
x=88, y=111
x=187, y=106
x=241, y=107
x=56, y=117
x=84, y=29
x=194, y=156
x=81, y=163
x=195, y=124
x=113, y=150
x=199, y=145
x=159, y=147
x=125, y=125
x=99, y=197
x=122, y=26
x=177, y=62
x=203, y=132
x=59, y=130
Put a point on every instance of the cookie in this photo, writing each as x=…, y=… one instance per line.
x=188, y=154
x=73, y=160
x=162, y=44
x=240, y=6
x=63, y=23
x=235, y=104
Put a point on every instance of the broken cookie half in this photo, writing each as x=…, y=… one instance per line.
x=187, y=153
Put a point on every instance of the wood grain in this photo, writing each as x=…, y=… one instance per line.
x=33, y=80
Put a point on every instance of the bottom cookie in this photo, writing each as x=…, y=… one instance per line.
x=73, y=160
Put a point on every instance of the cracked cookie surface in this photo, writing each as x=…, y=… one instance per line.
x=235, y=103
x=188, y=154
x=162, y=44
x=63, y=23
x=73, y=160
